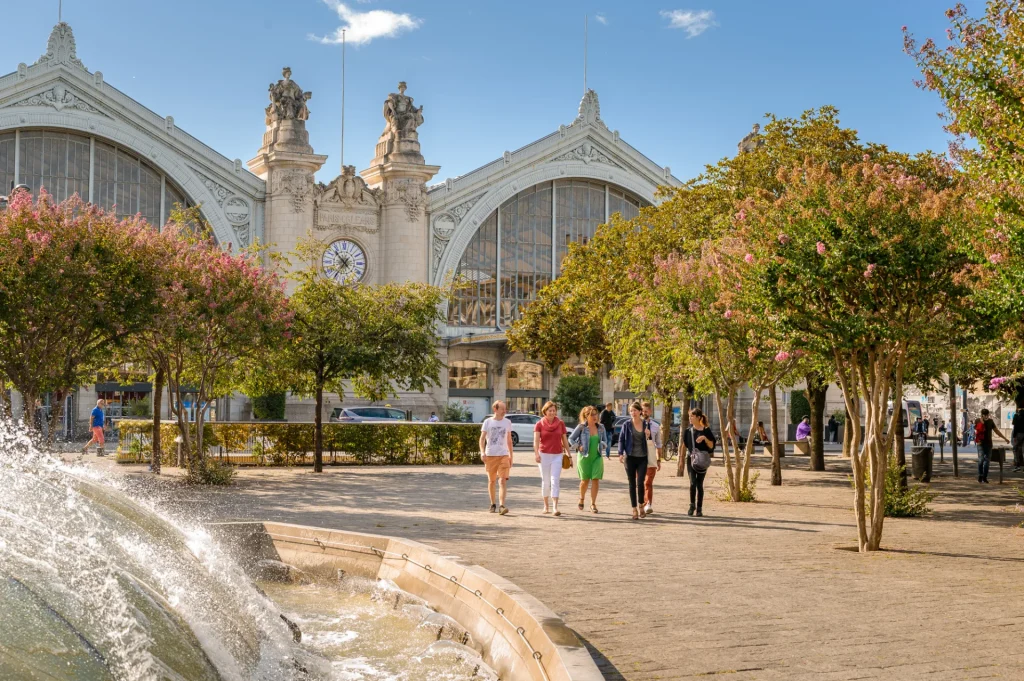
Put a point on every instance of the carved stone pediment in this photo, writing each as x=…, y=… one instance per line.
x=587, y=152
x=60, y=48
x=59, y=97
x=346, y=202
x=589, y=111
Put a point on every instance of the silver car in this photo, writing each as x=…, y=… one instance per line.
x=366, y=414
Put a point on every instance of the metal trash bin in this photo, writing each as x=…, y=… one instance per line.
x=921, y=462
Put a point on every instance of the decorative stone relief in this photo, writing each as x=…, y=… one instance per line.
x=346, y=202
x=60, y=98
x=408, y=191
x=244, y=234
x=219, y=191
x=237, y=210
x=295, y=183
x=587, y=153
x=400, y=142
x=287, y=100
x=589, y=111
x=60, y=48
x=445, y=224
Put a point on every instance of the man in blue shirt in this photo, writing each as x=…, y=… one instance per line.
x=96, y=421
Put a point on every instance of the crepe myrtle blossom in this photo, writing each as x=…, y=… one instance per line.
x=782, y=356
x=728, y=314
x=783, y=238
x=995, y=258
x=869, y=271
x=694, y=306
x=997, y=382
x=821, y=248
x=742, y=215
x=749, y=258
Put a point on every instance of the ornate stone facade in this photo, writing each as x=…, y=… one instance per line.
x=400, y=142
x=60, y=48
x=59, y=97
x=346, y=203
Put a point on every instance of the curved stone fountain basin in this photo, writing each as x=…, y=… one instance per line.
x=522, y=639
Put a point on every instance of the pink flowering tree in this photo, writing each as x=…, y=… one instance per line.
x=75, y=285
x=891, y=280
x=220, y=312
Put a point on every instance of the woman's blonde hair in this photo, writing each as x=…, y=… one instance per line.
x=548, y=405
x=586, y=412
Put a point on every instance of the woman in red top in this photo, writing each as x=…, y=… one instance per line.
x=549, y=443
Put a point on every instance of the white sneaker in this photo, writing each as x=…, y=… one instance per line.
x=647, y=509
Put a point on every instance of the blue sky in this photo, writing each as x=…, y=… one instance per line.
x=682, y=80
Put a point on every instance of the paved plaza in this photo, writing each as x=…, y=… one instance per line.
x=769, y=590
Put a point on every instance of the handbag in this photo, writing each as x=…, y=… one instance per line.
x=699, y=459
x=566, y=461
x=652, y=451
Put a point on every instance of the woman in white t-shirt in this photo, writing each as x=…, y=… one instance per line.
x=496, y=452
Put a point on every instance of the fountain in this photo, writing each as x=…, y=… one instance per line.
x=97, y=583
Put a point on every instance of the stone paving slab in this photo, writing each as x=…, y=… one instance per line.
x=769, y=590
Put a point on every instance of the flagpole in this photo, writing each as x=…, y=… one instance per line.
x=342, y=101
x=585, y=38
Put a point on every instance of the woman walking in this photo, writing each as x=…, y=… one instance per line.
x=549, y=444
x=697, y=437
x=590, y=442
x=633, y=453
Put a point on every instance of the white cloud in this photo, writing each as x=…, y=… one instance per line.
x=694, y=22
x=601, y=19
x=362, y=27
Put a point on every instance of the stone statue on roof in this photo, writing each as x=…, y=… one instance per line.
x=287, y=100
x=751, y=141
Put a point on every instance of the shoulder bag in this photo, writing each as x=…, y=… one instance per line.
x=652, y=450
x=699, y=459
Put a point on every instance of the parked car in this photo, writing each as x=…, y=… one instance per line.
x=368, y=414
x=522, y=427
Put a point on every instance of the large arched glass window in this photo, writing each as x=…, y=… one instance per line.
x=467, y=374
x=522, y=245
x=100, y=172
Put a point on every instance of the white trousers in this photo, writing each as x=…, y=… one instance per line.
x=550, y=474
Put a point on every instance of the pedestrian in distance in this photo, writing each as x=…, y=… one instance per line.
x=496, y=451
x=588, y=438
x=697, y=438
x=633, y=454
x=832, y=428
x=979, y=431
x=803, y=429
x=762, y=434
x=433, y=417
x=608, y=421
x=988, y=426
x=550, y=443
x=652, y=471
x=97, y=421
x=942, y=434
x=1017, y=437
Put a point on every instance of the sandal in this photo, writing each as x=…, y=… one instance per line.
x=642, y=514
x=635, y=516
x=593, y=508
x=580, y=505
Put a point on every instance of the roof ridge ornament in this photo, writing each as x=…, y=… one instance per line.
x=589, y=111
x=60, y=48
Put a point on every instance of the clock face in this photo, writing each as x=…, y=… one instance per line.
x=344, y=262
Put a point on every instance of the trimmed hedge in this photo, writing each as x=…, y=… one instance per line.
x=277, y=444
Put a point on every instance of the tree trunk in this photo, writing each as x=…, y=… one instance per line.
x=724, y=422
x=58, y=411
x=749, y=449
x=773, y=403
x=816, y=398
x=28, y=411
x=900, y=446
x=158, y=399
x=953, y=421
x=847, y=435
x=318, y=430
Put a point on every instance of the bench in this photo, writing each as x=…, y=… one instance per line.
x=801, y=447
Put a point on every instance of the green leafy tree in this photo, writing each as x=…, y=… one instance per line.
x=865, y=263
x=378, y=338
x=269, y=407
x=575, y=392
x=75, y=284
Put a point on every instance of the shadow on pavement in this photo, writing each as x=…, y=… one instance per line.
x=608, y=670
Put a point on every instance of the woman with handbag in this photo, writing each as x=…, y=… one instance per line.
x=634, y=443
x=590, y=442
x=700, y=443
x=550, y=450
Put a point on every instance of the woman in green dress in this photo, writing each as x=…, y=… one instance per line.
x=590, y=442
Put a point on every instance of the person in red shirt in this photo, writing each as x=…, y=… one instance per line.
x=550, y=442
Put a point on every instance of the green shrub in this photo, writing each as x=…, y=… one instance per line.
x=455, y=413
x=140, y=408
x=268, y=407
x=208, y=471
x=799, y=407
x=747, y=493
x=575, y=392
x=911, y=502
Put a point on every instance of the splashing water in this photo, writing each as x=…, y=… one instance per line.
x=95, y=586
